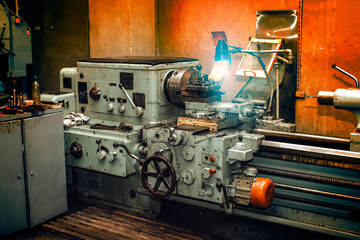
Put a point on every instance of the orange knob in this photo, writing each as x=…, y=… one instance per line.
x=212, y=170
x=262, y=192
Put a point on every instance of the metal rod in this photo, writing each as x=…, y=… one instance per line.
x=315, y=152
x=315, y=202
x=346, y=73
x=302, y=136
x=319, y=192
x=16, y=8
x=277, y=65
x=282, y=59
x=289, y=51
x=237, y=49
x=308, y=177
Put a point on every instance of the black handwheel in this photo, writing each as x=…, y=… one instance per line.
x=162, y=172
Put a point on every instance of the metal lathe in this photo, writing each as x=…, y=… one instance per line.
x=159, y=130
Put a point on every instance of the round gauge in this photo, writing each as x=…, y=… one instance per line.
x=188, y=153
x=188, y=176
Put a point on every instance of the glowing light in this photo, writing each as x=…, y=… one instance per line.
x=222, y=51
x=219, y=70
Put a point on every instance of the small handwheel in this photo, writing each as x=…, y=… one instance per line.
x=156, y=170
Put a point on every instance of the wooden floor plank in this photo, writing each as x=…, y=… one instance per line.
x=101, y=226
x=86, y=229
x=139, y=229
x=61, y=229
x=95, y=223
x=191, y=234
x=154, y=231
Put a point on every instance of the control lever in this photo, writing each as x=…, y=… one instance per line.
x=198, y=68
x=116, y=144
x=227, y=206
x=171, y=135
x=138, y=110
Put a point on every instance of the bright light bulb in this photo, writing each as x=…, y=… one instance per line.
x=219, y=70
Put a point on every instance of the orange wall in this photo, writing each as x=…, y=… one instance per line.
x=330, y=35
x=183, y=28
x=121, y=28
x=331, y=31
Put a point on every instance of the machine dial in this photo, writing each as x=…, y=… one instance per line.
x=76, y=150
x=121, y=108
x=208, y=189
x=188, y=176
x=101, y=154
x=110, y=107
x=95, y=93
x=188, y=153
x=207, y=172
x=112, y=156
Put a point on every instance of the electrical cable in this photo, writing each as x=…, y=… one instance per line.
x=267, y=78
x=29, y=28
x=263, y=66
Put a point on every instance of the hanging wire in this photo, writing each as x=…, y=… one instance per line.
x=29, y=28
